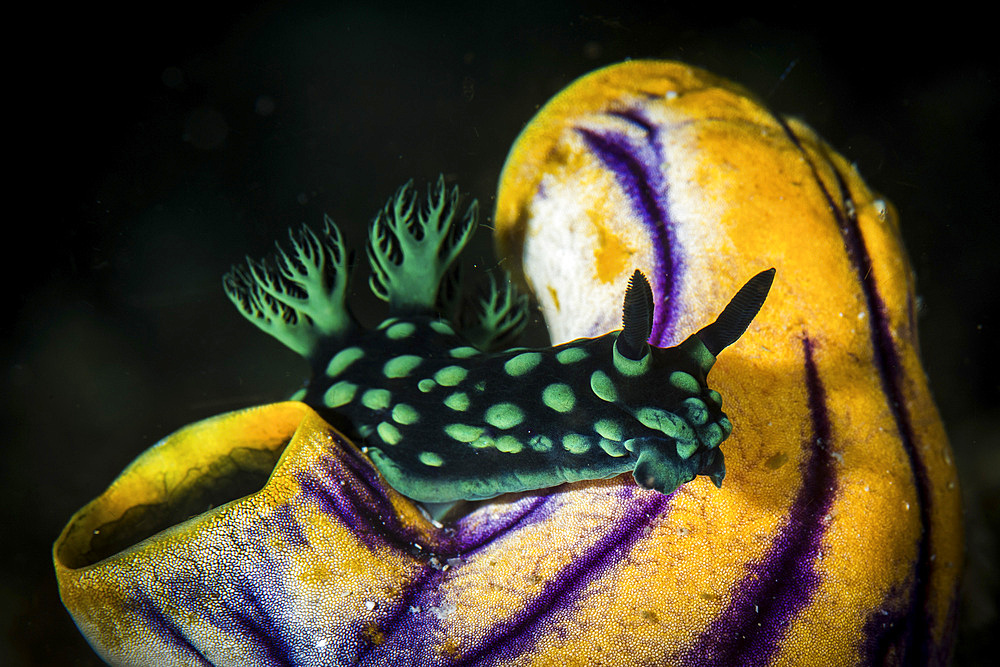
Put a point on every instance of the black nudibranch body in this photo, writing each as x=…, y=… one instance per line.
x=446, y=415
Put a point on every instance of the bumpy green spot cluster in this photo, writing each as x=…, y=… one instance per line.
x=441, y=412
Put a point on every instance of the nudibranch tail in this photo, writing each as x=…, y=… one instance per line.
x=412, y=248
x=301, y=299
x=738, y=314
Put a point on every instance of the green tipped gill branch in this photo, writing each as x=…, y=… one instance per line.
x=502, y=314
x=301, y=299
x=412, y=248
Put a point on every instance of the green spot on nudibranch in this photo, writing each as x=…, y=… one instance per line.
x=463, y=432
x=685, y=448
x=559, y=397
x=610, y=429
x=405, y=414
x=574, y=443
x=463, y=352
x=665, y=422
x=482, y=442
x=685, y=382
x=427, y=385
x=459, y=401
x=541, y=443
x=339, y=394
x=612, y=448
x=343, y=359
x=504, y=415
x=695, y=348
x=631, y=367
x=712, y=435
x=449, y=376
x=522, y=364
x=376, y=399
x=442, y=327
x=430, y=459
x=603, y=387
x=509, y=444
x=715, y=397
x=696, y=411
x=299, y=395
x=400, y=330
x=571, y=355
x=400, y=367
x=389, y=433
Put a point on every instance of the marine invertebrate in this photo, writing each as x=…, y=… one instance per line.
x=835, y=539
x=445, y=419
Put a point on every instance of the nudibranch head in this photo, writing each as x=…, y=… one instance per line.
x=442, y=414
x=694, y=425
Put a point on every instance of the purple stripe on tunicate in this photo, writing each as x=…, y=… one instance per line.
x=282, y=521
x=407, y=629
x=236, y=606
x=345, y=484
x=411, y=626
x=635, y=117
x=141, y=606
x=327, y=486
x=886, y=629
x=778, y=586
x=474, y=531
x=251, y=623
x=510, y=639
x=638, y=168
x=412, y=620
x=890, y=369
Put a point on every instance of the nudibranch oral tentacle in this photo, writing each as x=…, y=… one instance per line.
x=443, y=418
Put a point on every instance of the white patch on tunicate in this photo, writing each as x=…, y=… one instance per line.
x=442, y=611
x=571, y=224
x=881, y=210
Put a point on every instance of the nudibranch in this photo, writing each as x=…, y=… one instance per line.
x=266, y=536
x=442, y=417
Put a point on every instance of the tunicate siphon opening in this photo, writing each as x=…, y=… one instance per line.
x=195, y=470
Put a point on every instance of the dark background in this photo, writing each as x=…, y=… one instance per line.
x=154, y=147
